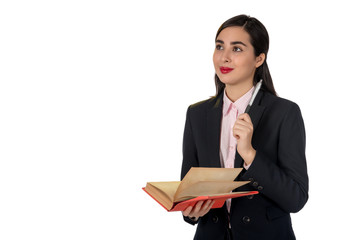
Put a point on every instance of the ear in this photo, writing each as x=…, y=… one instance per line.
x=260, y=60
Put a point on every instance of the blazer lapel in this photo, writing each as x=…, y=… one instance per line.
x=256, y=111
x=213, y=121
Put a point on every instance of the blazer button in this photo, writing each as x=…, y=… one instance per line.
x=215, y=219
x=246, y=219
x=260, y=188
x=255, y=184
x=250, y=196
x=251, y=179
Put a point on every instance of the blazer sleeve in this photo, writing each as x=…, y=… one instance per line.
x=189, y=148
x=285, y=180
x=189, y=154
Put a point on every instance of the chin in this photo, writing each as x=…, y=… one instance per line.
x=227, y=80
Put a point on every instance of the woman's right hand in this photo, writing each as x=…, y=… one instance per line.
x=200, y=209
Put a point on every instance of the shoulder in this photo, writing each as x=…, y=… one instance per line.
x=274, y=102
x=280, y=109
x=212, y=102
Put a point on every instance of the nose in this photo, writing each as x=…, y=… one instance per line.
x=226, y=57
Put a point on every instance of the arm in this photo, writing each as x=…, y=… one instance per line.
x=189, y=159
x=285, y=181
x=192, y=214
x=189, y=148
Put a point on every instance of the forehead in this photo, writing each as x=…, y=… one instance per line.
x=231, y=34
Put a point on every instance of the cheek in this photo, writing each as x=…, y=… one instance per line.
x=215, y=58
x=245, y=62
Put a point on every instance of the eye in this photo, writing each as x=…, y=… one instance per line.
x=237, y=49
x=219, y=47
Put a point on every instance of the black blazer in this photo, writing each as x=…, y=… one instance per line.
x=278, y=171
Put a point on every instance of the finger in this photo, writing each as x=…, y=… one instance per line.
x=206, y=205
x=206, y=208
x=243, y=126
x=187, y=211
x=236, y=133
x=209, y=205
x=245, y=117
x=242, y=122
x=196, y=209
x=241, y=131
x=212, y=204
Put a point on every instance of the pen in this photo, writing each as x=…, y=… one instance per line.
x=256, y=90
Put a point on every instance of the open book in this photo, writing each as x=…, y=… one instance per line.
x=199, y=184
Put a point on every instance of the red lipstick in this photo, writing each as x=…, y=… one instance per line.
x=225, y=70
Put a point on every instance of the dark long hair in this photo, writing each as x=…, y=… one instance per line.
x=259, y=39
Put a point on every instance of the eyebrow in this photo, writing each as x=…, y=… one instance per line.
x=232, y=43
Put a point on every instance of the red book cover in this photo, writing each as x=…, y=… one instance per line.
x=219, y=200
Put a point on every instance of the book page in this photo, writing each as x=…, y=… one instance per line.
x=207, y=188
x=205, y=175
x=168, y=188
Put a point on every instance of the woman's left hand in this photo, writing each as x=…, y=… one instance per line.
x=243, y=131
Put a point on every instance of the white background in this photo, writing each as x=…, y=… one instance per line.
x=93, y=96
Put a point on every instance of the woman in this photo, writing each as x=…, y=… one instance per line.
x=268, y=142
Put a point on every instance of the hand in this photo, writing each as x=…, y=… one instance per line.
x=243, y=131
x=200, y=209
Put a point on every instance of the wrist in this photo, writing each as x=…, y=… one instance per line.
x=249, y=156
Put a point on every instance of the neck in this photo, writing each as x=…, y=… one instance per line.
x=234, y=92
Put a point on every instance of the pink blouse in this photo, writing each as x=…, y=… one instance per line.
x=231, y=111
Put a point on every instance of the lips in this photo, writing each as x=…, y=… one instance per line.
x=225, y=70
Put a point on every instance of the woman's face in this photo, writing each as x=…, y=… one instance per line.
x=234, y=58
